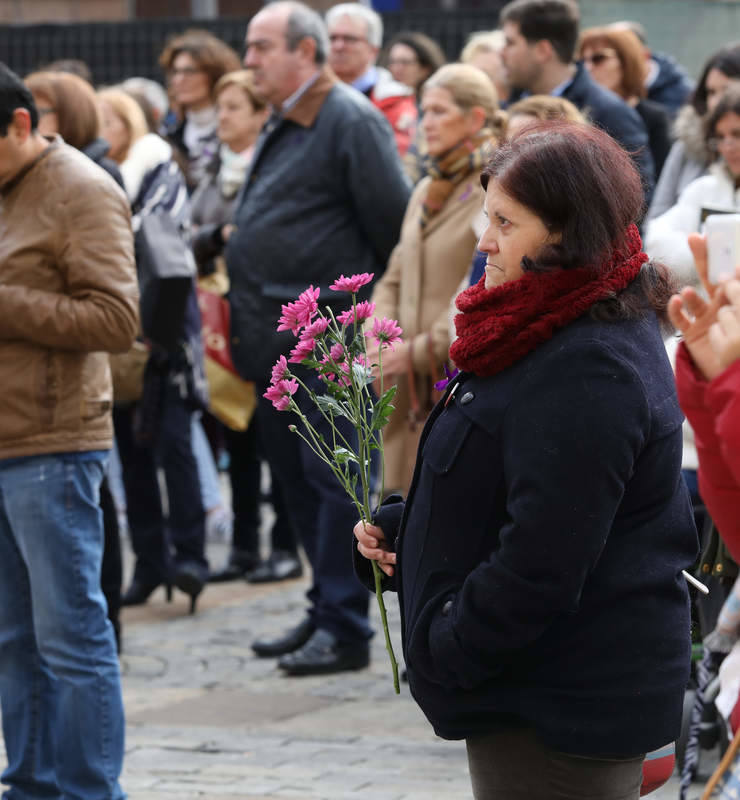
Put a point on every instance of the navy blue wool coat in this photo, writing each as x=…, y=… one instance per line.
x=541, y=546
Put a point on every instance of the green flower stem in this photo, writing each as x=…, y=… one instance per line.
x=378, y=575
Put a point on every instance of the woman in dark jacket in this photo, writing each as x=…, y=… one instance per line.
x=538, y=556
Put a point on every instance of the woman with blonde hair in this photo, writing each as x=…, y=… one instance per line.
x=542, y=107
x=483, y=50
x=615, y=59
x=461, y=124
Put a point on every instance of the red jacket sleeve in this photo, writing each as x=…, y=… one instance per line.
x=713, y=409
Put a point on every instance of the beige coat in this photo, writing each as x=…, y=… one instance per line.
x=424, y=272
x=68, y=297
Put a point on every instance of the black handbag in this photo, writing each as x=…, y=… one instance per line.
x=166, y=270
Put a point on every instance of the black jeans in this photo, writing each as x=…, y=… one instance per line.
x=245, y=467
x=180, y=537
x=513, y=764
x=321, y=512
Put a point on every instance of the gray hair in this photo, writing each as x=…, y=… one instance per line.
x=305, y=23
x=372, y=20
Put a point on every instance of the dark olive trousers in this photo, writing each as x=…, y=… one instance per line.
x=513, y=764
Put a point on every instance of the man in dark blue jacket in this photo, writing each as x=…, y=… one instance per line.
x=325, y=195
x=540, y=43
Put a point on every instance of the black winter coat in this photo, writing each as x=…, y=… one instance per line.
x=541, y=546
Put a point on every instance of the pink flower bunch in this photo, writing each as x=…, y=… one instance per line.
x=280, y=393
x=359, y=313
x=385, y=331
x=351, y=284
x=299, y=314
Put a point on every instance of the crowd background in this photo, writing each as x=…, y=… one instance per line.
x=178, y=130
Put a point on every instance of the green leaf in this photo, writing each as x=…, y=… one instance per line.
x=362, y=375
x=331, y=406
x=343, y=456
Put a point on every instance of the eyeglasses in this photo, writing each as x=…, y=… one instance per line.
x=43, y=111
x=345, y=38
x=717, y=143
x=186, y=72
x=599, y=58
x=402, y=62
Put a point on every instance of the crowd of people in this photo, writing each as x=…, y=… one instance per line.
x=535, y=522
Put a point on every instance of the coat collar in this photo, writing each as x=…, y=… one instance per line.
x=307, y=108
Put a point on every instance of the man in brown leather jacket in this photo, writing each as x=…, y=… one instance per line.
x=68, y=297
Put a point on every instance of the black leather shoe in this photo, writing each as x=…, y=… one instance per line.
x=240, y=563
x=323, y=654
x=139, y=592
x=291, y=640
x=280, y=566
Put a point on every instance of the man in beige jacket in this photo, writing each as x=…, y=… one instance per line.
x=68, y=297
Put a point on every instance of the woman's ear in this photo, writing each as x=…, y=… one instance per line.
x=477, y=117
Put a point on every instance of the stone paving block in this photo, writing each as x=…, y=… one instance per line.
x=226, y=708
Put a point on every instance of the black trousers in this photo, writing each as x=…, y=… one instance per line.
x=160, y=541
x=323, y=515
x=513, y=764
x=245, y=465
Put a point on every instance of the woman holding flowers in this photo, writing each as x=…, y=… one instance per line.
x=538, y=555
x=461, y=124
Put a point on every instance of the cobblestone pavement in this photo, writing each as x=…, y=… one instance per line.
x=209, y=720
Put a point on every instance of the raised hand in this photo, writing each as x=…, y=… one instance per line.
x=724, y=334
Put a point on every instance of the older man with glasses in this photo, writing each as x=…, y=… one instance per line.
x=355, y=36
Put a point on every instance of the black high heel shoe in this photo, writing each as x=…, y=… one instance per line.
x=139, y=592
x=189, y=578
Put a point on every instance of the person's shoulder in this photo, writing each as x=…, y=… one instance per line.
x=599, y=102
x=348, y=106
x=72, y=172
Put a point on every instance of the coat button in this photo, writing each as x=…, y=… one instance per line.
x=234, y=340
x=466, y=398
x=446, y=607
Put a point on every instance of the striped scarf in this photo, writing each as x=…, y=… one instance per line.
x=446, y=173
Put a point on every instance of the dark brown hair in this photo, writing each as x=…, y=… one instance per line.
x=212, y=55
x=729, y=103
x=585, y=187
x=629, y=51
x=727, y=61
x=74, y=102
x=553, y=20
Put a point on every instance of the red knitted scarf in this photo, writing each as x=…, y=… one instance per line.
x=499, y=326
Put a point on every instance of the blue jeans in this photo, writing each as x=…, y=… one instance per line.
x=60, y=689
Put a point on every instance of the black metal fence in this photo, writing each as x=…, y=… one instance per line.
x=118, y=50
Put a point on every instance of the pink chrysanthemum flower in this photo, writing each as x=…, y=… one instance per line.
x=316, y=328
x=302, y=350
x=365, y=310
x=298, y=314
x=280, y=370
x=280, y=394
x=351, y=284
x=385, y=331
x=337, y=352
